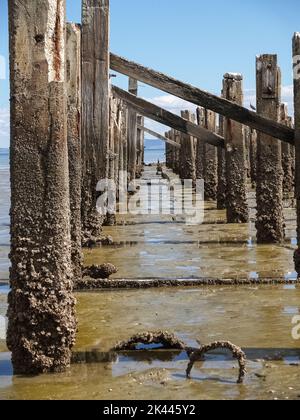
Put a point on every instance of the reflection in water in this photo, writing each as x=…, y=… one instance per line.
x=256, y=318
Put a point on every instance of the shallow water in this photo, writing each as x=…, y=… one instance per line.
x=164, y=246
x=257, y=318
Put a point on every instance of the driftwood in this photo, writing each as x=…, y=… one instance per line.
x=236, y=351
x=169, y=341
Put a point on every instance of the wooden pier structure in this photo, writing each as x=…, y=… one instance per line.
x=71, y=127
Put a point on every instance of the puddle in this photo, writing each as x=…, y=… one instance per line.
x=259, y=319
x=291, y=310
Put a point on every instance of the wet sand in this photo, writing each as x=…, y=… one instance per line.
x=257, y=318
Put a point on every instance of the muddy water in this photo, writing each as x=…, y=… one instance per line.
x=164, y=246
x=257, y=318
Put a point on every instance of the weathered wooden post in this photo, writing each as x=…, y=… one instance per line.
x=110, y=218
x=173, y=150
x=168, y=152
x=112, y=133
x=287, y=157
x=140, y=145
x=117, y=131
x=247, y=131
x=253, y=156
x=73, y=83
x=200, y=147
x=42, y=325
x=211, y=160
x=236, y=199
x=269, y=223
x=121, y=138
x=296, y=61
x=95, y=108
x=221, y=189
x=187, y=152
x=177, y=152
x=124, y=127
x=132, y=133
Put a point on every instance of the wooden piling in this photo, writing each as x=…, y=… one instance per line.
x=123, y=161
x=236, y=199
x=221, y=188
x=140, y=145
x=296, y=61
x=177, y=152
x=269, y=222
x=286, y=155
x=247, y=151
x=132, y=133
x=174, y=150
x=95, y=108
x=210, y=161
x=73, y=85
x=253, y=157
x=42, y=325
x=168, y=151
x=187, y=152
x=110, y=217
x=200, y=146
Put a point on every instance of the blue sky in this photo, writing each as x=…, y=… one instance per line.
x=194, y=40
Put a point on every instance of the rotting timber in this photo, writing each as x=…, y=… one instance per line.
x=42, y=324
x=71, y=127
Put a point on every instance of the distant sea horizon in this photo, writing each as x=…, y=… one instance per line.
x=154, y=151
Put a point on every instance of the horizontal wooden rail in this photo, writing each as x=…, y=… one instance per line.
x=201, y=98
x=159, y=136
x=154, y=112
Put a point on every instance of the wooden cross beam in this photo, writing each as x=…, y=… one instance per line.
x=154, y=112
x=201, y=98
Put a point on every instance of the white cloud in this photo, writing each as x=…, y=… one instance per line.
x=4, y=127
x=173, y=104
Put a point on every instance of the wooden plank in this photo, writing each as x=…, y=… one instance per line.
x=159, y=136
x=165, y=117
x=201, y=98
x=269, y=219
x=41, y=312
